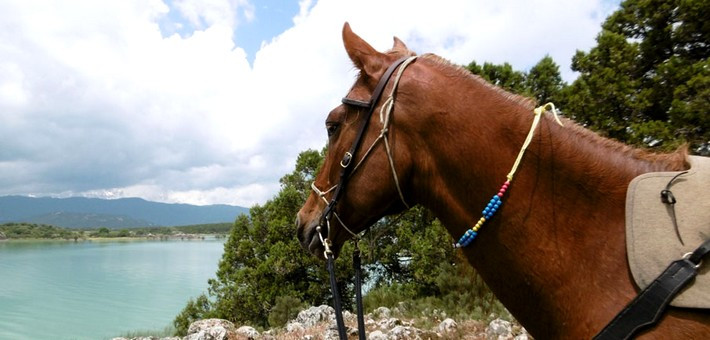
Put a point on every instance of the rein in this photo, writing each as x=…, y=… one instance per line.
x=347, y=169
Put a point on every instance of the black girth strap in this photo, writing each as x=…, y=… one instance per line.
x=647, y=308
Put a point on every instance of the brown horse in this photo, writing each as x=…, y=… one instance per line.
x=554, y=254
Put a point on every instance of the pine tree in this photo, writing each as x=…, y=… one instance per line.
x=647, y=82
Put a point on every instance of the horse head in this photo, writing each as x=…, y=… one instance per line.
x=367, y=168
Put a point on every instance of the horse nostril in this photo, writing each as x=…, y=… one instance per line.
x=298, y=221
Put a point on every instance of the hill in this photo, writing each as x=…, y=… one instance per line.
x=81, y=212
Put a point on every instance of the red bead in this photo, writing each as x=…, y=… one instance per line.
x=500, y=194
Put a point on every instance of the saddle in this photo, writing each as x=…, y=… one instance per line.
x=652, y=240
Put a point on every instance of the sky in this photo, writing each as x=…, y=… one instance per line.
x=211, y=101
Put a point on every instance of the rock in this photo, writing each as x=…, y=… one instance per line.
x=390, y=323
x=294, y=326
x=313, y=315
x=377, y=335
x=403, y=332
x=381, y=313
x=211, y=329
x=2, y=236
x=248, y=332
x=523, y=336
x=499, y=329
x=447, y=326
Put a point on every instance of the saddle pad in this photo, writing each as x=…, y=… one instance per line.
x=651, y=240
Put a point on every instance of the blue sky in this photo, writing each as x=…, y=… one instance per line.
x=211, y=101
x=266, y=20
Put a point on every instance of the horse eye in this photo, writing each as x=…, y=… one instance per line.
x=331, y=128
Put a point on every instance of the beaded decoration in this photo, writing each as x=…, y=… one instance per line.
x=495, y=202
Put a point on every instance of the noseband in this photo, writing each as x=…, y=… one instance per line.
x=347, y=169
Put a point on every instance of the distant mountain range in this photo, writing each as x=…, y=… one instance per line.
x=81, y=212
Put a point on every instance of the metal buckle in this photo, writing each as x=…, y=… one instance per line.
x=346, y=159
x=687, y=258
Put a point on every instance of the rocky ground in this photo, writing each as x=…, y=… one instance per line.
x=318, y=323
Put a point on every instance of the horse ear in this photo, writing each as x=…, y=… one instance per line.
x=399, y=45
x=364, y=56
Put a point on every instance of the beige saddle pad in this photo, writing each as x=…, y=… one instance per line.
x=651, y=239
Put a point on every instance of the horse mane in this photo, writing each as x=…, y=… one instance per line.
x=460, y=71
x=676, y=160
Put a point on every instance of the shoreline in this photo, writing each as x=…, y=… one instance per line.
x=186, y=237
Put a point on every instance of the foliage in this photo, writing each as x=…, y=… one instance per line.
x=196, y=309
x=37, y=231
x=647, y=82
x=263, y=261
x=286, y=308
x=543, y=81
x=43, y=231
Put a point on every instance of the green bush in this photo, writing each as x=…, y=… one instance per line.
x=196, y=309
x=286, y=308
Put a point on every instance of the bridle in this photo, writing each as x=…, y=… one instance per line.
x=347, y=169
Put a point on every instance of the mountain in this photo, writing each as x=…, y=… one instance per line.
x=82, y=212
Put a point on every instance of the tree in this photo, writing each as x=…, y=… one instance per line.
x=263, y=262
x=544, y=81
x=500, y=75
x=647, y=82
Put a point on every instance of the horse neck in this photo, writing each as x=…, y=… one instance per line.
x=561, y=224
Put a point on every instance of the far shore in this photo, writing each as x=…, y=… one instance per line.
x=186, y=237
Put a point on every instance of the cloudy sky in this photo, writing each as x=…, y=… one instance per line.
x=210, y=101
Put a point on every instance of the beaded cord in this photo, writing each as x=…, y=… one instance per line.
x=495, y=202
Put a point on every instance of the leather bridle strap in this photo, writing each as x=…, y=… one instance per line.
x=647, y=308
x=346, y=163
x=347, y=168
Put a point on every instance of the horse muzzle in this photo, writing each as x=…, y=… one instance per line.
x=307, y=232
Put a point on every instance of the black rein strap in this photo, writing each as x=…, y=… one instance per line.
x=647, y=308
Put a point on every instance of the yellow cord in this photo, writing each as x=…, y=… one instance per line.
x=538, y=113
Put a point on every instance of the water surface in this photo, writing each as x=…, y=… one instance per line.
x=97, y=290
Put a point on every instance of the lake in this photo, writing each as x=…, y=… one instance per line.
x=98, y=290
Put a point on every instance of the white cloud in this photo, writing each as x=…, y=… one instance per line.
x=95, y=100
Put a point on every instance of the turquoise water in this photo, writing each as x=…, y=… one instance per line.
x=97, y=290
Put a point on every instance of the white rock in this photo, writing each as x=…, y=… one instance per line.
x=294, y=326
x=210, y=329
x=499, y=329
x=403, y=332
x=377, y=335
x=313, y=315
x=447, y=326
x=390, y=323
x=381, y=313
x=248, y=331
